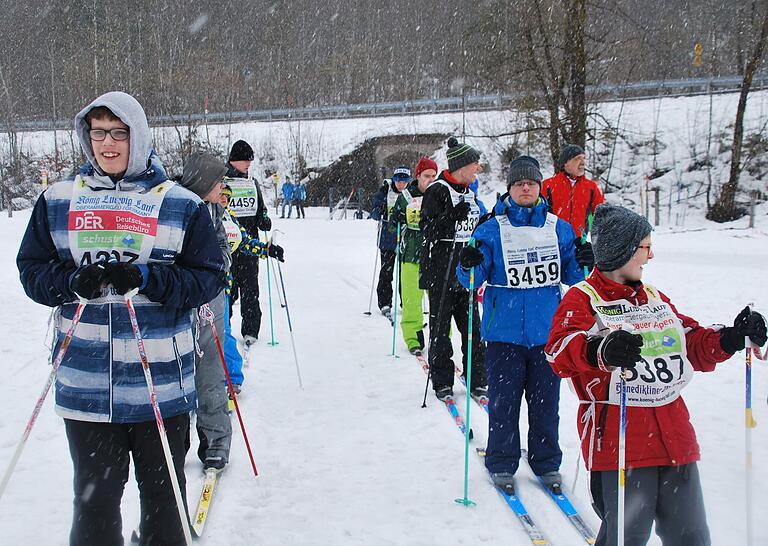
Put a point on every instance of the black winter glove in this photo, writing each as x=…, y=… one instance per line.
x=276, y=252
x=124, y=277
x=470, y=257
x=585, y=257
x=620, y=349
x=87, y=280
x=265, y=224
x=747, y=323
x=459, y=212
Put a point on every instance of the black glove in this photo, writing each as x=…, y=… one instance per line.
x=459, y=212
x=87, y=280
x=124, y=277
x=620, y=349
x=276, y=252
x=265, y=224
x=585, y=257
x=747, y=323
x=470, y=257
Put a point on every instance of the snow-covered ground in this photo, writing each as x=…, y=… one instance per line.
x=353, y=458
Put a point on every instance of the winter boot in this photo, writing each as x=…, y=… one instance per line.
x=444, y=393
x=504, y=481
x=552, y=481
x=480, y=394
x=249, y=340
x=387, y=312
x=215, y=463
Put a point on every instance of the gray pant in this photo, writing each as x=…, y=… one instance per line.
x=213, y=425
x=669, y=495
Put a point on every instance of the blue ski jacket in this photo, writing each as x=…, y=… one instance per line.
x=514, y=315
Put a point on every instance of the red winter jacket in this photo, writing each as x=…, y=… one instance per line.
x=570, y=202
x=655, y=436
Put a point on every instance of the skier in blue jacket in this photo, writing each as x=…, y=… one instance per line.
x=121, y=225
x=288, y=189
x=523, y=253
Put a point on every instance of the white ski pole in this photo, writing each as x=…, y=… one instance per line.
x=158, y=418
x=38, y=406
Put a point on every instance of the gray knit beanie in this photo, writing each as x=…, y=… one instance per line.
x=460, y=155
x=524, y=167
x=568, y=152
x=616, y=234
x=201, y=173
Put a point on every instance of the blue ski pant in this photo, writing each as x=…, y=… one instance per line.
x=231, y=354
x=514, y=370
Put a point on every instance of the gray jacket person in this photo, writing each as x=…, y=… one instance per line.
x=203, y=174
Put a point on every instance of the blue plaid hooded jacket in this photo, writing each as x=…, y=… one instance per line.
x=101, y=378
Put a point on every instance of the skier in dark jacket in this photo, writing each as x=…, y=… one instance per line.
x=383, y=203
x=248, y=204
x=449, y=214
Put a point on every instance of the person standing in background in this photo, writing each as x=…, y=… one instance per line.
x=299, y=196
x=252, y=215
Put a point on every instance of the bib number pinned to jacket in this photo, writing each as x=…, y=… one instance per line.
x=244, y=201
x=533, y=276
x=664, y=369
x=531, y=254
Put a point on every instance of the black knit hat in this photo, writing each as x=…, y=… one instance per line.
x=568, y=152
x=201, y=173
x=241, y=151
x=524, y=167
x=616, y=234
x=460, y=155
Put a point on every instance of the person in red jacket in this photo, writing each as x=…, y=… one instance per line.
x=571, y=195
x=613, y=321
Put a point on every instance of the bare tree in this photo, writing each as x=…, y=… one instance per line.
x=725, y=209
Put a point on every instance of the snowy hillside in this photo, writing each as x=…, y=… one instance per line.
x=634, y=140
x=353, y=459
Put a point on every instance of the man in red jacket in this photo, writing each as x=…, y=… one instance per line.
x=571, y=195
x=613, y=322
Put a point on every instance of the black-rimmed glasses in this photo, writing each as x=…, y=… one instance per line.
x=117, y=134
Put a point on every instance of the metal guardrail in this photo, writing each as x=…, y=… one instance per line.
x=629, y=91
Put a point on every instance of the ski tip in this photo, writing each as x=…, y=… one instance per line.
x=471, y=434
x=135, y=536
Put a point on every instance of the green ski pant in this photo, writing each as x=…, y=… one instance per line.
x=412, y=320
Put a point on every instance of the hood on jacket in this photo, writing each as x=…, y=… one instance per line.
x=130, y=112
x=201, y=173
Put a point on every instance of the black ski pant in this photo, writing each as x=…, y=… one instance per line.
x=669, y=495
x=386, y=272
x=299, y=209
x=100, y=456
x=245, y=285
x=455, y=306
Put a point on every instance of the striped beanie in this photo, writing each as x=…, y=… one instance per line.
x=460, y=155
